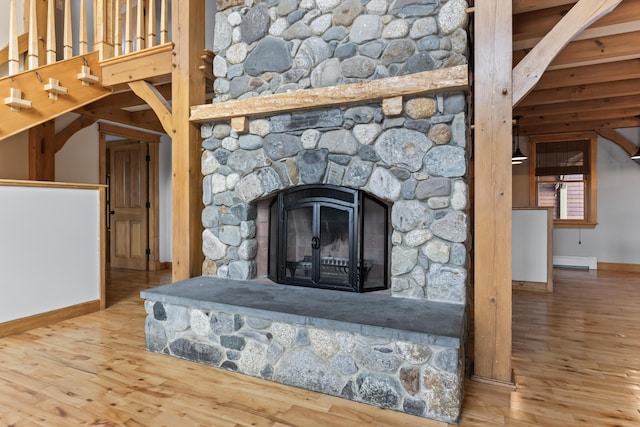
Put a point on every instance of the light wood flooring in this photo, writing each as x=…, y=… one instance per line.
x=576, y=361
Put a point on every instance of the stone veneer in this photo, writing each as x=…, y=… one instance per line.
x=416, y=161
x=320, y=340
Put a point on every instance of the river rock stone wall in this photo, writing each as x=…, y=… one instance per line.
x=420, y=379
x=417, y=161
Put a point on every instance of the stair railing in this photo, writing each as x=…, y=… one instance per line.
x=120, y=27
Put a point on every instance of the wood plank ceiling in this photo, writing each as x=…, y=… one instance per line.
x=593, y=83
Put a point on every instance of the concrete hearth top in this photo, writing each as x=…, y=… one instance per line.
x=403, y=319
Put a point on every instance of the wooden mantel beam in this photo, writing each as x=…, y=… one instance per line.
x=441, y=80
x=528, y=71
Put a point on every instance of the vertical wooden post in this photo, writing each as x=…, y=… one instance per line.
x=51, y=32
x=140, y=25
x=103, y=41
x=492, y=189
x=128, y=29
x=14, y=64
x=164, y=22
x=151, y=27
x=83, y=42
x=42, y=151
x=32, y=55
x=68, y=34
x=188, y=88
x=117, y=29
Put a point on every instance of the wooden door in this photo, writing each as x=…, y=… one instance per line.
x=129, y=213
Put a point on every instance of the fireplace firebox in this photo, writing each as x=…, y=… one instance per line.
x=330, y=237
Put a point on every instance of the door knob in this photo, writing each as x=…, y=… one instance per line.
x=112, y=212
x=315, y=242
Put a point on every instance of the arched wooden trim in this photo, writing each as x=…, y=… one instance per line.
x=77, y=125
x=618, y=139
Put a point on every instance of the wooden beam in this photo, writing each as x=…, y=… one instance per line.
x=492, y=192
x=528, y=71
x=42, y=141
x=126, y=99
x=122, y=117
x=523, y=6
x=441, y=80
x=580, y=126
x=188, y=26
x=581, y=116
x=128, y=133
x=621, y=140
x=77, y=125
x=148, y=93
x=599, y=73
x=602, y=104
x=618, y=47
x=582, y=93
x=153, y=65
x=530, y=28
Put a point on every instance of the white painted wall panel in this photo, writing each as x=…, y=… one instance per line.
x=49, y=249
x=530, y=245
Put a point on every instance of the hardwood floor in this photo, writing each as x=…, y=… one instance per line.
x=576, y=360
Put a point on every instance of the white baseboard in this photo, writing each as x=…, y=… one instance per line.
x=589, y=262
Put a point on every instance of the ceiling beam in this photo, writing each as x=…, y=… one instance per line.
x=600, y=73
x=523, y=6
x=529, y=28
x=602, y=104
x=582, y=92
x=580, y=126
x=528, y=71
x=123, y=117
x=583, y=116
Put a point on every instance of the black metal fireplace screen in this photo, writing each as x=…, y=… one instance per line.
x=331, y=237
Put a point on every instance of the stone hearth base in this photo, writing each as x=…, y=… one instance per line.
x=396, y=353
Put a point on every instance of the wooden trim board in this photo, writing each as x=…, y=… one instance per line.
x=43, y=319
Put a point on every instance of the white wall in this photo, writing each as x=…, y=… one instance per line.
x=14, y=156
x=165, y=198
x=54, y=264
x=615, y=238
x=79, y=159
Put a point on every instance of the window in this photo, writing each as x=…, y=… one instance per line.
x=563, y=177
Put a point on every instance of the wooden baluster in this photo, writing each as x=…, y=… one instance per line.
x=103, y=41
x=128, y=29
x=32, y=55
x=51, y=32
x=151, y=27
x=83, y=46
x=14, y=64
x=117, y=29
x=68, y=35
x=164, y=22
x=140, y=25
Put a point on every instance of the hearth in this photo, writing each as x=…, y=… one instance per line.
x=331, y=237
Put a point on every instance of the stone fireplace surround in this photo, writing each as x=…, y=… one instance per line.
x=413, y=156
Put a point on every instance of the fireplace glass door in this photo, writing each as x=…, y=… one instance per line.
x=314, y=239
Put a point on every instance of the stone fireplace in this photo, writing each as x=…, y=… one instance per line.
x=402, y=155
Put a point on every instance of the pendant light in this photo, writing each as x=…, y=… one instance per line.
x=518, y=156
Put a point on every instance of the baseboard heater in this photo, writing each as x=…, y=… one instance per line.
x=586, y=262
